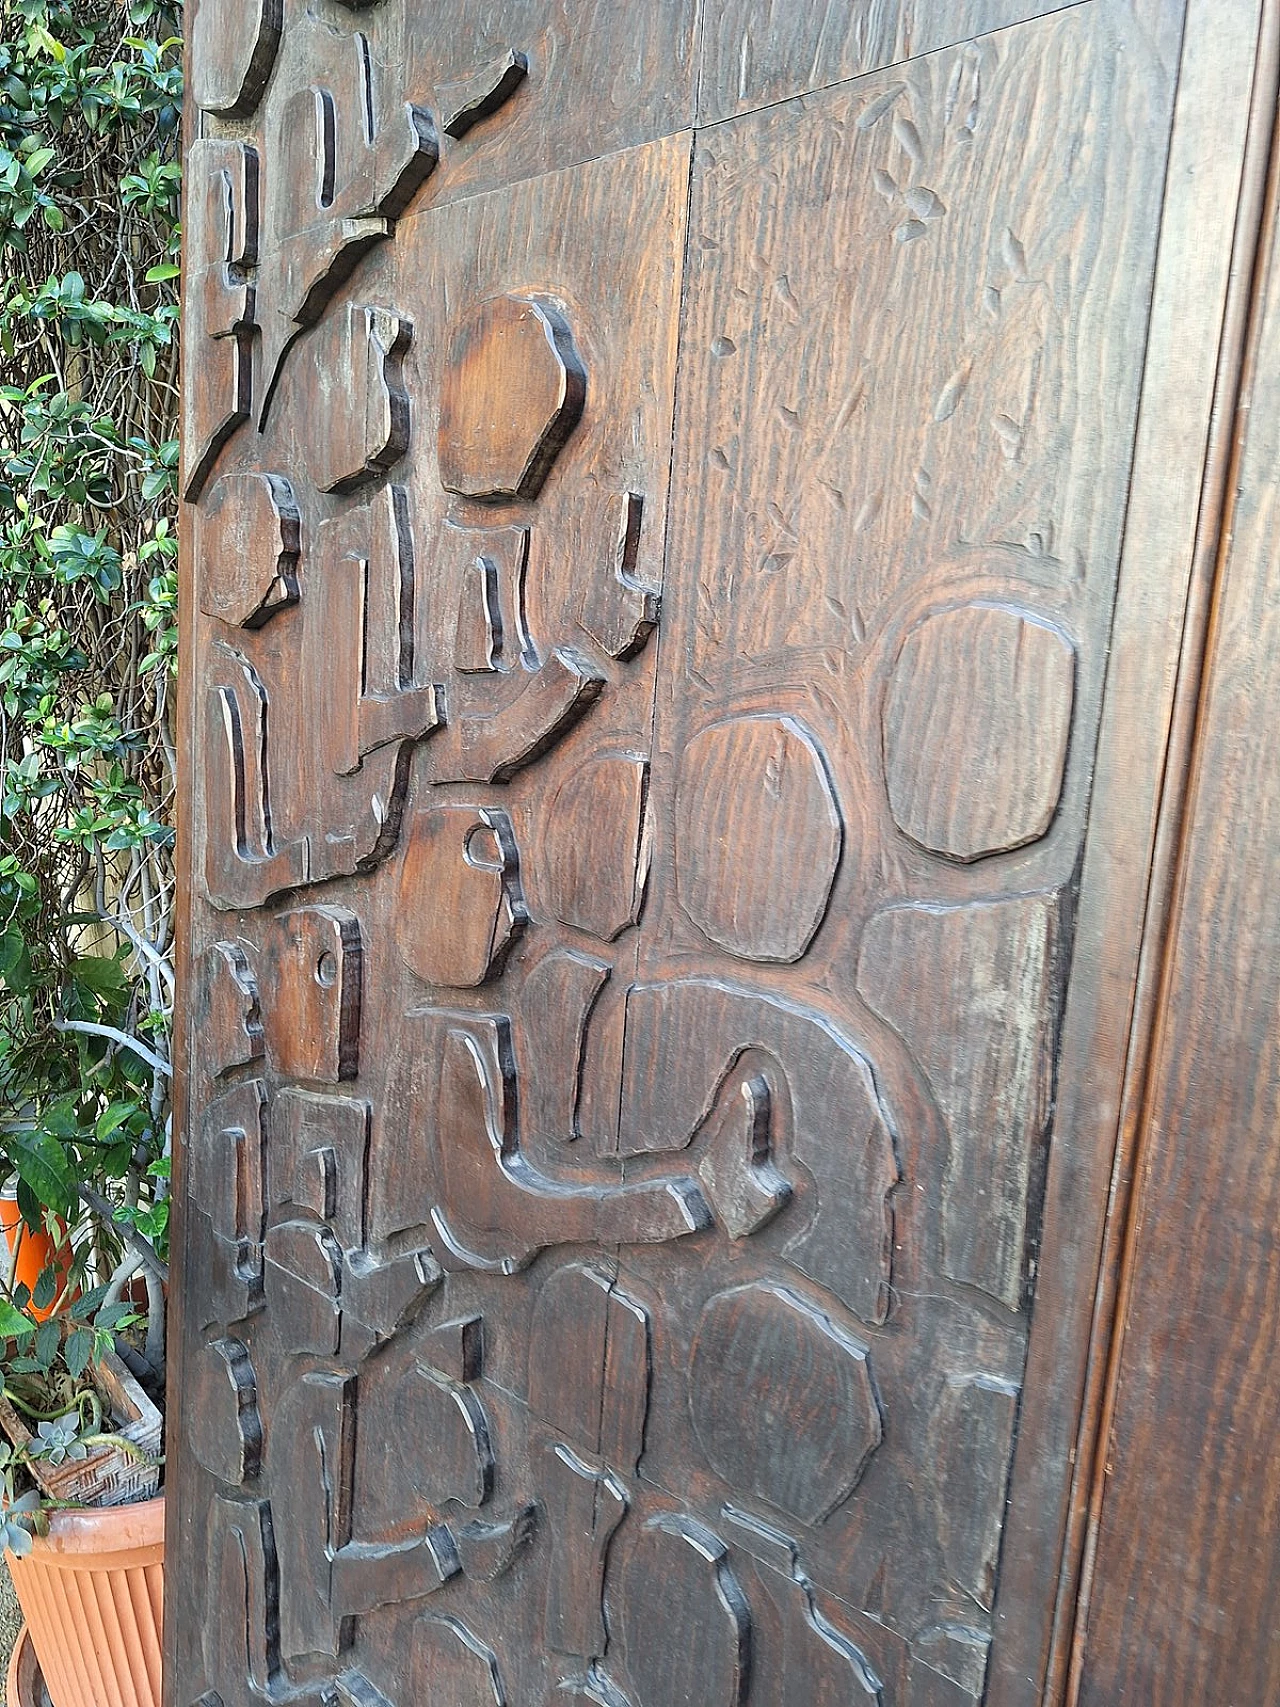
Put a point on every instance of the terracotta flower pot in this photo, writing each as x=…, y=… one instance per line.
x=92, y=1592
x=24, y=1683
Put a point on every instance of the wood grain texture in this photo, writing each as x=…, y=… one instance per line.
x=976, y=724
x=607, y=1276
x=756, y=52
x=1220, y=147
x=1189, y=1546
x=512, y=393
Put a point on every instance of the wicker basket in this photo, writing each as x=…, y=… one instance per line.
x=107, y=1476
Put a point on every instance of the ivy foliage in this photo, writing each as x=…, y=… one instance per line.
x=90, y=101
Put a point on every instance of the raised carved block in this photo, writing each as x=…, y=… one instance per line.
x=233, y=48
x=354, y=380
x=594, y=846
x=758, y=836
x=764, y=1356
x=229, y=1015
x=461, y=905
x=448, y=1663
x=311, y=973
x=226, y=1427
x=465, y=103
x=222, y=249
x=976, y=724
x=513, y=392
x=686, y=1627
x=249, y=543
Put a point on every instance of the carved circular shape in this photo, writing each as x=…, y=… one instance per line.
x=512, y=392
x=781, y=1400
x=460, y=902
x=976, y=724
x=758, y=837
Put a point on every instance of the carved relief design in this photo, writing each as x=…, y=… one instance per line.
x=983, y=1027
x=513, y=391
x=617, y=1130
x=686, y=1627
x=354, y=378
x=490, y=1206
x=449, y=1664
x=222, y=251
x=812, y=1662
x=229, y=1442
x=683, y=1039
x=460, y=905
x=762, y=1355
x=229, y=1213
x=234, y=46
x=250, y=543
x=463, y=105
x=976, y=724
x=312, y=962
x=229, y=1013
x=594, y=846
x=758, y=837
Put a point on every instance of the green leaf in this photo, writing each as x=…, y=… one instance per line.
x=103, y=976
x=46, y=1289
x=157, y=275
x=13, y=1324
x=112, y=1118
x=48, y=1339
x=79, y=1349
x=44, y=1168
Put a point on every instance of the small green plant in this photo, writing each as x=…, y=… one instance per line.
x=49, y=1381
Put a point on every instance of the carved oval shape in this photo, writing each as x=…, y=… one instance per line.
x=781, y=1400
x=513, y=390
x=758, y=837
x=977, y=721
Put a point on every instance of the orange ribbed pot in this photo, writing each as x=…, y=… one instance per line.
x=92, y=1592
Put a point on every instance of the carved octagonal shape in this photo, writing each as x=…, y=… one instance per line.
x=513, y=391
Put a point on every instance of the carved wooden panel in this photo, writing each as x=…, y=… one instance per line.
x=651, y=591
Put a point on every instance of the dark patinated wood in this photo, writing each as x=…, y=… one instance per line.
x=1181, y=1599
x=658, y=482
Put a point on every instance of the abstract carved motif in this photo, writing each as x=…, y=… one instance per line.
x=513, y=391
x=686, y=1628
x=234, y=47
x=460, y=903
x=594, y=846
x=976, y=725
x=762, y=1357
x=250, y=543
x=633, y=810
x=758, y=837
x=222, y=252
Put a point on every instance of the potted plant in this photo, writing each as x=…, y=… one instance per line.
x=81, y=1515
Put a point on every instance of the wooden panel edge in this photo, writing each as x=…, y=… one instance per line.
x=1192, y=374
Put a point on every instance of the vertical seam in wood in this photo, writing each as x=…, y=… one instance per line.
x=1251, y=263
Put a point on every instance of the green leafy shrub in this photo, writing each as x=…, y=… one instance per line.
x=90, y=99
